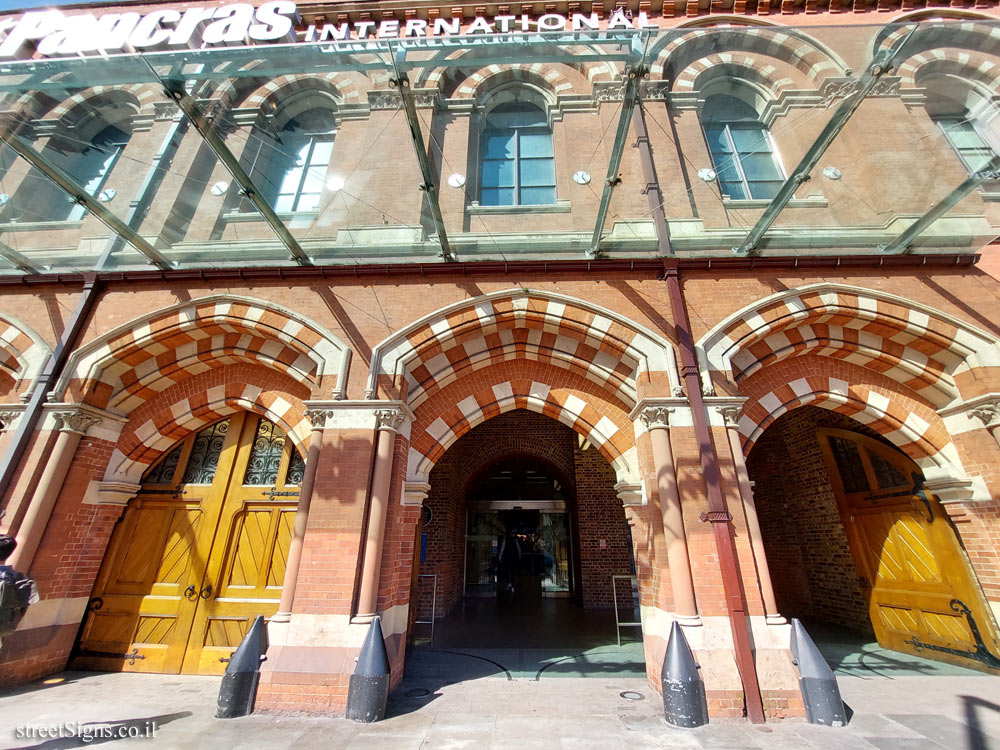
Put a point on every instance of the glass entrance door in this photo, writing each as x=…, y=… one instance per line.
x=542, y=541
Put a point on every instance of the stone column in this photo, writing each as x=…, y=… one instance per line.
x=989, y=415
x=318, y=419
x=657, y=421
x=388, y=421
x=730, y=415
x=72, y=424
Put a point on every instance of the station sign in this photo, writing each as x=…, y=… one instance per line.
x=51, y=33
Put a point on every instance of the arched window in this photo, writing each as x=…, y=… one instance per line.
x=88, y=161
x=962, y=114
x=517, y=167
x=290, y=170
x=742, y=153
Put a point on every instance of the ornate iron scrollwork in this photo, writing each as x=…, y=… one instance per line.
x=981, y=653
x=129, y=657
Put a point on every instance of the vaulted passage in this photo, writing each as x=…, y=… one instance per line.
x=522, y=535
x=859, y=550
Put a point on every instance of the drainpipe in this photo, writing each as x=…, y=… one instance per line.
x=718, y=514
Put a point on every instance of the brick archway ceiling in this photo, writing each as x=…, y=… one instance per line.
x=133, y=363
x=919, y=348
x=568, y=334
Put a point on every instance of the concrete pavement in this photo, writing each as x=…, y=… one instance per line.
x=903, y=713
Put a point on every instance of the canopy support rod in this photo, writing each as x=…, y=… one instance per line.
x=880, y=64
x=175, y=91
x=81, y=197
x=903, y=243
x=402, y=83
x=633, y=74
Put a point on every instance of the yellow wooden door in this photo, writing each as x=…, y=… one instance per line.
x=157, y=604
x=923, y=597
x=246, y=570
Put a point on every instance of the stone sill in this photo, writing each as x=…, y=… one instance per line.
x=813, y=201
x=560, y=207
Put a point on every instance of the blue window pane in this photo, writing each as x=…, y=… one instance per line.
x=750, y=140
x=494, y=197
x=538, y=172
x=499, y=146
x=498, y=174
x=717, y=141
x=284, y=203
x=734, y=190
x=535, y=144
x=727, y=171
x=538, y=196
x=764, y=190
x=760, y=167
x=514, y=115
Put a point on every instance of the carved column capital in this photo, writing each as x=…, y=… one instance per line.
x=730, y=415
x=988, y=413
x=656, y=417
x=76, y=420
x=389, y=419
x=8, y=418
x=318, y=417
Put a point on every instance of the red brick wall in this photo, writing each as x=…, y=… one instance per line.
x=600, y=516
x=807, y=550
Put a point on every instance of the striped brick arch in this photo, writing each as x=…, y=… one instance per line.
x=131, y=364
x=518, y=349
x=873, y=400
x=141, y=444
x=810, y=59
x=466, y=81
x=923, y=350
x=22, y=355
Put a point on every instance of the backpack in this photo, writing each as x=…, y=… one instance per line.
x=11, y=607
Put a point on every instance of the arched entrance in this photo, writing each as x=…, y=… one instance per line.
x=198, y=554
x=523, y=532
x=854, y=539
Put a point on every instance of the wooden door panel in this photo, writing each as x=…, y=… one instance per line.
x=190, y=566
x=904, y=545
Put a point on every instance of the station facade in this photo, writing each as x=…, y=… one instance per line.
x=285, y=338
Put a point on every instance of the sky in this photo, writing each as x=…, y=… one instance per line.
x=6, y=6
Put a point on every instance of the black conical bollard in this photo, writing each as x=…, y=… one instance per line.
x=368, y=694
x=239, y=684
x=684, y=702
x=817, y=682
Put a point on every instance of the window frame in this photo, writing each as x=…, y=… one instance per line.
x=939, y=121
x=726, y=126
x=515, y=132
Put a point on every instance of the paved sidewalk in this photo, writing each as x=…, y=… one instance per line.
x=905, y=713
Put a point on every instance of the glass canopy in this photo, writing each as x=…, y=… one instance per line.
x=734, y=140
